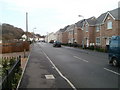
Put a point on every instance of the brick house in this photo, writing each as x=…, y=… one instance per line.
x=107, y=25
x=92, y=31
x=78, y=32
x=70, y=31
x=62, y=35
x=89, y=31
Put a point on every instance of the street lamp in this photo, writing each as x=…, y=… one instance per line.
x=83, y=32
x=34, y=34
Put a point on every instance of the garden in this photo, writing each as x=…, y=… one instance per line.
x=10, y=72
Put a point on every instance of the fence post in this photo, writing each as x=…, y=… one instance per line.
x=20, y=60
x=24, y=53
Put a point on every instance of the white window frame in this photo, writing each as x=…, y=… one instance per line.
x=109, y=24
x=98, y=43
x=97, y=28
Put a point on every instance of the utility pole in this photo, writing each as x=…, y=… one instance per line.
x=83, y=32
x=27, y=26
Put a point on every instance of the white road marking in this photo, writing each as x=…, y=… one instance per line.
x=59, y=71
x=80, y=58
x=112, y=71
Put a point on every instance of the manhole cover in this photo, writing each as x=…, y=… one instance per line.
x=49, y=77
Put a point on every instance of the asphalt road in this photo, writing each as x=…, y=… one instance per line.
x=83, y=68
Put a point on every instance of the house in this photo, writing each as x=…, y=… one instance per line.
x=107, y=25
x=37, y=37
x=78, y=32
x=28, y=35
x=89, y=31
x=50, y=37
x=42, y=38
x=62, y=35
x=70, y=31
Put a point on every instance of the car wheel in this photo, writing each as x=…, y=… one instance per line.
x=115, y=62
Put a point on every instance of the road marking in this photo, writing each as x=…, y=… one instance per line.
x=112, y=71
x=59, y=71
x=80, y=58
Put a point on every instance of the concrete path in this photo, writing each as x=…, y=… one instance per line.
x=37, y=68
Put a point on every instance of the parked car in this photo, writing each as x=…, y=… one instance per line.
x=57, y=44
x=114, y=51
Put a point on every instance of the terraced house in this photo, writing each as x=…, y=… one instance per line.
x=107, y=25
x=93, y=31
x=78, y=32
x=89, y=31
x=98, y=31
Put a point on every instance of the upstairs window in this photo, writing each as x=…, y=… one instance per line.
x=109, y=25
x=97, y=28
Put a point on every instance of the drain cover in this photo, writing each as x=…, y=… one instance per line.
x=49, y=77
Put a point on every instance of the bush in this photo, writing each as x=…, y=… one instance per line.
x=99, y=49
x=91, y=47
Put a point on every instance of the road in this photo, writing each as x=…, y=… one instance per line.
x=83, y=68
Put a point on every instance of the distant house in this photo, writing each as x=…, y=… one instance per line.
x=28, y=35
x=62, y=35
x=42, y=38
x=50, y=37
x=70, y=31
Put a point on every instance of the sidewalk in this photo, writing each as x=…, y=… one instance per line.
x=37, y=69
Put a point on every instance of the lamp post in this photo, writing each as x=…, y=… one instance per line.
x=83, y=33
x=34, y=34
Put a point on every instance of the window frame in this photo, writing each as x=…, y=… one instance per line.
x=109, y=24
x=97, y=28
x=98, y=43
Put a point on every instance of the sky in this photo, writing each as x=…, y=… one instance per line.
x=46, y=16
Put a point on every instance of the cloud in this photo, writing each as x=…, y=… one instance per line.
x=51, y=15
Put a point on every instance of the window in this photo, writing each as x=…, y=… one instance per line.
x=70, y=32
x=109, y=25
x=97, y=28
x=97, y=41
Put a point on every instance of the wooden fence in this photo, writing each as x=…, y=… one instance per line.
x=14, y=47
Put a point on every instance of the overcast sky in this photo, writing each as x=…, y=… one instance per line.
x=51, y=15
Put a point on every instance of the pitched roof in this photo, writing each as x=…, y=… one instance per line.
x=64, y=29
x=114, y=13
x=91, y=21
x=80, y=23
x=70, y=27
x=101, y=18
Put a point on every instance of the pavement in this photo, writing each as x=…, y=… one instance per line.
x=37, y=68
